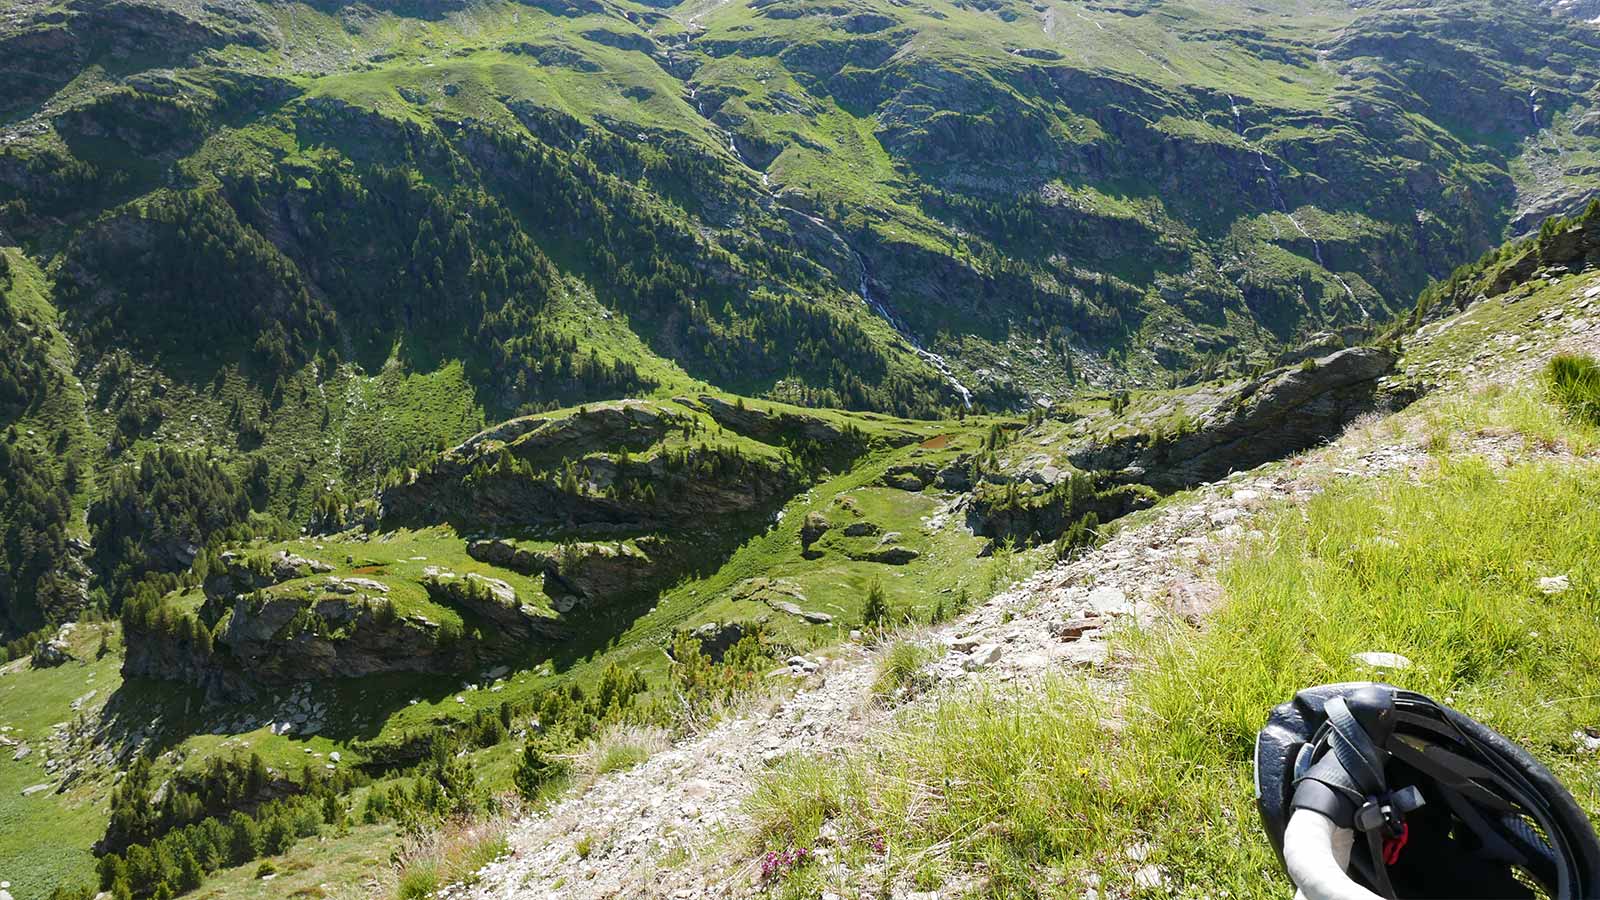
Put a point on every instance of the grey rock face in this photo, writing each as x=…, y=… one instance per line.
x=1281, y=413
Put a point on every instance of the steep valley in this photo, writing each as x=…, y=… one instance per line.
x=432, y=432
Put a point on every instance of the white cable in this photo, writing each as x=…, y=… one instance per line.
x=1316, y=852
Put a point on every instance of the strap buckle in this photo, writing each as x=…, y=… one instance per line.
x=1388, y=811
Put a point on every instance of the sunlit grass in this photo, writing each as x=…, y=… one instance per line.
x=1042, y=789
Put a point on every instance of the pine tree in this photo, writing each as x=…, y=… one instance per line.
x=876, y=610
x=534, y=771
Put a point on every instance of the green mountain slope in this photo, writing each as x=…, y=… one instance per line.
x=575, y=325
x=1033, y=192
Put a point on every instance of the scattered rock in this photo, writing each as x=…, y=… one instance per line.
x=1077, y=627
x=1149, y=878
x=1378, y=659
x=52, y=653
x=800, y=665
x=982, y=657
x=812, y=616
x=1556, y=584
x=965, y=644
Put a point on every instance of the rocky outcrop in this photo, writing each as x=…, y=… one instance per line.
x=781, y=595
x=1032, y=513
x=583, y=573
x=1269, y=418
x=770, y=426
x=953, y=475
x=286, y=640
x=243, y=573
x=340, y=628
x=579, y=472
x=491, y=600
x=717, y=638
x=1572, y=247
x=634, y=423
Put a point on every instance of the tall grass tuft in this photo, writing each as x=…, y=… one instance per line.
x=902, y=671
x=1575, y=380
x=622, y=746
x=450, y=854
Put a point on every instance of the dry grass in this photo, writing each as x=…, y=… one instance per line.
x=450, y=854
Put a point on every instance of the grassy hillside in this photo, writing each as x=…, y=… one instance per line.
x=1477, y=570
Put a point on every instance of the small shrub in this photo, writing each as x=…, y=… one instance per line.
x=583, y=846
x=1083, y=532
x=535, y=771
x=419, y=879
x=265, y=869
x=876, y=611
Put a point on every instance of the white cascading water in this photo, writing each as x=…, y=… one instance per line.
x=873, y=303
x=1277, y=199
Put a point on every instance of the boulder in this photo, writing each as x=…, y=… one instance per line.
x=909, y=477
x=354, y=585
x=889, y=555
x=717, y=638
x=811, y=531
x=52, y=653
x=982, y=657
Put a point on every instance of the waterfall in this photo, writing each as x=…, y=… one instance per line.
x=877, y=306
x=1283, y=207
x=900, y=327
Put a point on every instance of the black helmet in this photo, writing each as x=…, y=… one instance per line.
x=1445, y=806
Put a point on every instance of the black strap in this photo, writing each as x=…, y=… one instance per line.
x=1347, y=785
x=1354, y=748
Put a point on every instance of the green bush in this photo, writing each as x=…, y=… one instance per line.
x=901, y=673
x=535, y=770
x=876, y=610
